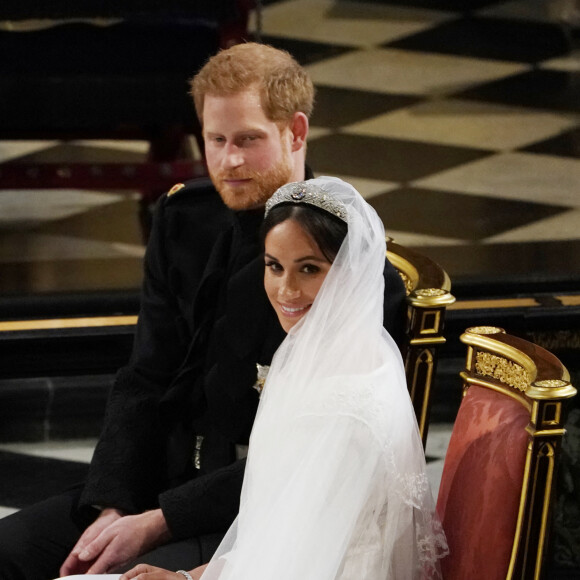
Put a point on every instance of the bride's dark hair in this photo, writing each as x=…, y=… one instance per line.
x=325, y=229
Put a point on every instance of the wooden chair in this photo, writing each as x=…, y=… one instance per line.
x=498, y=479
x=428, y=295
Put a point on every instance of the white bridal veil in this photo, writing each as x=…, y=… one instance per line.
x=335, y=485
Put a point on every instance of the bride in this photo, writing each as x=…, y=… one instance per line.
x=335, y=486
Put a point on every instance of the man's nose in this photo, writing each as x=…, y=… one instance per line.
x=234, y=156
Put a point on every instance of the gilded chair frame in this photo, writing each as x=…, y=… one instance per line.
x=428, y=290
x=538, y=380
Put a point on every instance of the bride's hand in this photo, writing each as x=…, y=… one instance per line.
x=146, y=572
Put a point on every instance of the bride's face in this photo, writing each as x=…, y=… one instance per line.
x=295, y=270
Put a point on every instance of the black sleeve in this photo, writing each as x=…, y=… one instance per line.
x=127, y=468
x=206, y=504
x=124, y=472
x=395, y=305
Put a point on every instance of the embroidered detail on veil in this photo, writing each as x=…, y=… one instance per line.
x=431, y=545
x=365, y=402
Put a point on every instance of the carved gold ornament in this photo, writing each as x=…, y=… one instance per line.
x=551, y=383
x=428, y=292
x=485, y=330
x=503, y=370
x=407, y=282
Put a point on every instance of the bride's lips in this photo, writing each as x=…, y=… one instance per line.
x=293, y=311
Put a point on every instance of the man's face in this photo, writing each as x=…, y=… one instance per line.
x=248, y=156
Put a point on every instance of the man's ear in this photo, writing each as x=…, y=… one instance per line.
x=299, y=128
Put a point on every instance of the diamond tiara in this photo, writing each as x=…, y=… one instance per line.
x=305, y=192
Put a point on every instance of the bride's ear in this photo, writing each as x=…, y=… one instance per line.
x=299, y=128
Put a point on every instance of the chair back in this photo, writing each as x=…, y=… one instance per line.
x=498, y=479
x=428, y=294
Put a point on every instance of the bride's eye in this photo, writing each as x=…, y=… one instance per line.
x=310, y=269
x=273, y=266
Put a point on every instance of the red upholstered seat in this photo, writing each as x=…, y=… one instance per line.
x=482, y=486
x=497, y=485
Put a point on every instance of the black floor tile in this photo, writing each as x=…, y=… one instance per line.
x=542, y=89
x=491, y=38
x=386, y=159
x=116, y=222
x=451, y=5
x=31, y=306
x=511, y=267
x=78, y=408
x=337, y=107
x=564, y=145
x=71, y=276
x=304, y=51
x=424, y=211
x=55, y=407
x=25, y=479
x=24, y=407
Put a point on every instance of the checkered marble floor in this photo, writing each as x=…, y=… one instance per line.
x=461, y=129
x=458, y=120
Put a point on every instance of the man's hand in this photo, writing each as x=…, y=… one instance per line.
x=121, y=540
x=72, y=565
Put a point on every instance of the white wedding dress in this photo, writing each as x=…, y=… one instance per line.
x=335, y=487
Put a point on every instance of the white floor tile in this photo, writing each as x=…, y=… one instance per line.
x=27, y=207
x=438, y=439
x=135, y=146
x=520, y=176
x=131, y=250
x=70, y=450
x=346, y=23
x=411, y=239
x=408, y=72
x=6, y=511
x=368, y=188
x=33, y=247
x=468, y=123
x=561, y=227
x=437, y=443
x=568, y=63
x=315, y=132
x=434, y=472
x=13, y=149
